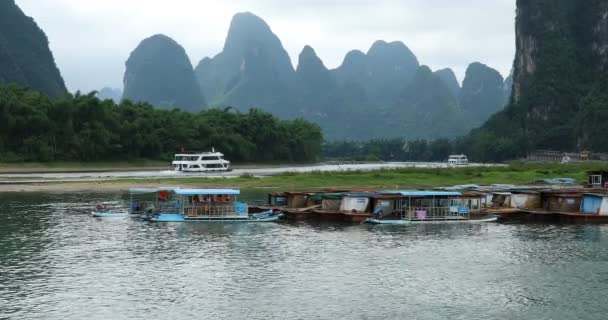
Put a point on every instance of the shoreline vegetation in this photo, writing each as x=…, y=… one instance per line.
x=405, y=178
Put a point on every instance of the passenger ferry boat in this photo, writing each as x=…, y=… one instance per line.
x=205, y=205
x=201, y=162
x=458, y=160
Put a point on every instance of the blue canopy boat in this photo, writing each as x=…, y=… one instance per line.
x=421, y=206
x=206, y=205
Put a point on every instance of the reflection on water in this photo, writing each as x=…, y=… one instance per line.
x=56, y=262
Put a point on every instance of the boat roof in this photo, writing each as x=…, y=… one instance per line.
x=192, y=192
x=151, y=190
x=422, y=193
x=199, y=154
x=599, y=195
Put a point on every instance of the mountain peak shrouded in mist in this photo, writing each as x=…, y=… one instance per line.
x=25, y=56
x=449, y=78
x=428, y=109
x=309, y=61
x=159, y=72
x=253, y=70
x=482, y=92
x=382, y=71
x=370, y=93
x=107, y=93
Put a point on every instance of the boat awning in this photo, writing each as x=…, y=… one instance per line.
x=421, y=193
x=151, y=190
x=597, y=195
x=192, y=192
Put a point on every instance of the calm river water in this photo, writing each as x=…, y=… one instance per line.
x=56, y=262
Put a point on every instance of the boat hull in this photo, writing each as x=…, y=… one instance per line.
x=171, y=217
x=109, y=214
x=409, y=221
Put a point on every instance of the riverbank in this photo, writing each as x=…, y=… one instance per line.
x=48, y=167
x=404, y=178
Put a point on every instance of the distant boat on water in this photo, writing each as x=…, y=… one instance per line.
x=458, y=160
x=201, y=162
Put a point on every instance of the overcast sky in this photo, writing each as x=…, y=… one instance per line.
x=92, y=39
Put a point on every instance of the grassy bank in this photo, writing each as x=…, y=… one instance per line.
x=516, y=173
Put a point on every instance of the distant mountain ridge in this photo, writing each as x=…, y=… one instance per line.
x=382, y=93
x=25, y=56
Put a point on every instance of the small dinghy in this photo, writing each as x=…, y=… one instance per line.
x=266, y=216
x=104, y=210
x=420, y=221
x=109, y=214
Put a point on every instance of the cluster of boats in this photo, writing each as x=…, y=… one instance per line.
x=167, y=204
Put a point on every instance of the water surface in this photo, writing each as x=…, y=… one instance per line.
x=57, y=262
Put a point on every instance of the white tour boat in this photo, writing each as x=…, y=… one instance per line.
x=458, y=160
x=201, y=162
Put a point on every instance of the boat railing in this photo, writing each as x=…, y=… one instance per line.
x=140, y=206
x=435, y=213
x=211, y=211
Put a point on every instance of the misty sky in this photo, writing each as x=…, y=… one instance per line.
x=92, y=39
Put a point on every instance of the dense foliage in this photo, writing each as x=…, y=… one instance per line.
x=25, y=57
x=82, y=127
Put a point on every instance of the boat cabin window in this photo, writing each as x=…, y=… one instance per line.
x=401, y=204
x=211, y=158
x=209, y=198
x=186, y=158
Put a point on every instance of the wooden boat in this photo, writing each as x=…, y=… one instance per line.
x=207, y=205
x=436, y=221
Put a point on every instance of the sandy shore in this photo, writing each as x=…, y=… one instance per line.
x=81, y=187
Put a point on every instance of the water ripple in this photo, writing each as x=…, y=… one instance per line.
x=57, y=262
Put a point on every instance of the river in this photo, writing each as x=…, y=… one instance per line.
x=57, y=262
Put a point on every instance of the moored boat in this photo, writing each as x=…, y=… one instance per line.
x=207, y=205
x=109, y=210
x=109, y=214
x=420, y=206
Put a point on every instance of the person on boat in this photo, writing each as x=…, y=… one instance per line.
x=378, y=212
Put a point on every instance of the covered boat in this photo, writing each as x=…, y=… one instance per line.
x=418, y=206
x=207, y=205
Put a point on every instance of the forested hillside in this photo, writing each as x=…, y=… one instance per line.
x=560, y=81
x=25, y=57
x=79, y=127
